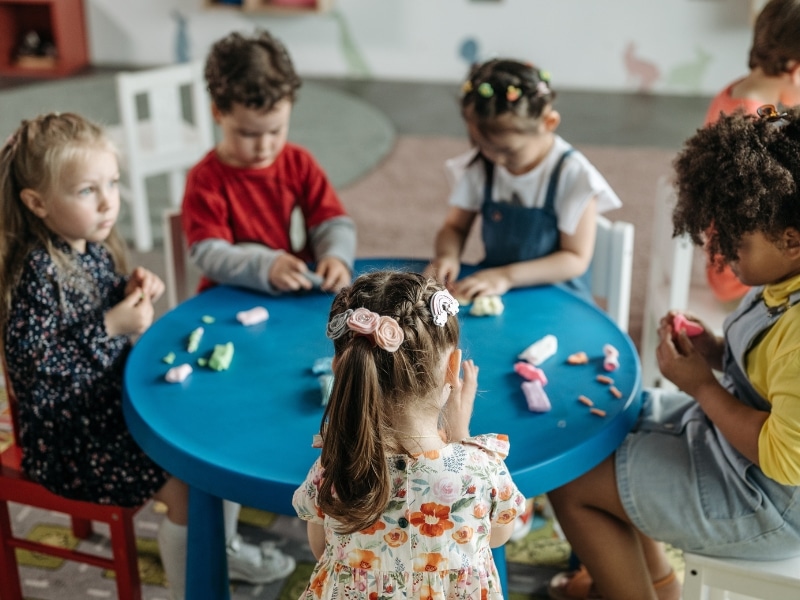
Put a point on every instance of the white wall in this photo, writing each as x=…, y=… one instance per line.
x=683, y=47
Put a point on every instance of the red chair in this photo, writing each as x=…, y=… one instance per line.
x=15, y=487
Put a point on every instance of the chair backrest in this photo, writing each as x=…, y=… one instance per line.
x=176, y=255
x=165, y=114
x=612, y=267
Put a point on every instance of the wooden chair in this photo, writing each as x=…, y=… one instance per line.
x=174, y=132
x=727, y=579
x=16, y=487
x=612, y=266
x=180, y=273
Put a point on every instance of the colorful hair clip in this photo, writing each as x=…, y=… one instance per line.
x=485, y=89
x=466, y=87
x=513, y=93
x=544, y=76
x=443, y=304
x=768, y=112
x=385, y=332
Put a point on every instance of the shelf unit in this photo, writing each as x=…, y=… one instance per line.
x=61, y=21
x=287, y=7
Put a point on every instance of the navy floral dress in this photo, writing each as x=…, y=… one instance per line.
x=67, y=375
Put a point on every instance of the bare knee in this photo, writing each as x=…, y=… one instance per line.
x=175, y=494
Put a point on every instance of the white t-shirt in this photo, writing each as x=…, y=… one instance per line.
x=578, y=183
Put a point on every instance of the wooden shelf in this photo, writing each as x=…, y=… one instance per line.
x=287, y=7
x=59, y=21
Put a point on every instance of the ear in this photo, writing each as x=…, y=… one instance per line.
x=216, y=113
x=453, y=367
x=793, y=69
x=34, y=201
x=791, y=242
x=551, y=121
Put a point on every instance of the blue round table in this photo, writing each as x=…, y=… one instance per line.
x=245, y=433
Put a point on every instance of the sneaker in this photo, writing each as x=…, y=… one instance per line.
x=257, y=564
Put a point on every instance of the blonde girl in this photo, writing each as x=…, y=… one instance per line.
x=67, y=317
x=403, y=503
x=538, y=196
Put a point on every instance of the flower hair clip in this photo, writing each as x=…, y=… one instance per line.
x=513, y=93
x=486, y=90
x=385, y=332
x=466, y=87
x=443, y=304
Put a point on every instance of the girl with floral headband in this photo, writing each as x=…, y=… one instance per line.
x=403, y=503
x=537, y=195
x=715, y=468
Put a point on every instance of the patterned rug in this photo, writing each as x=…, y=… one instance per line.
x=532, y=561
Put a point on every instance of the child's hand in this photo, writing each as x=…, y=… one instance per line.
x=708, y=345
x=443, y=269
x=335, y=273
x=131, y=316
x=147, y=281
x=288, y=274
x=458, y=410
x=680, y=361
x=488, y=282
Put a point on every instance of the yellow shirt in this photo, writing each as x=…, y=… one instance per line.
x=773, y=367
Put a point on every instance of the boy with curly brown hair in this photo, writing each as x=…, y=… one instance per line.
x=242, y=197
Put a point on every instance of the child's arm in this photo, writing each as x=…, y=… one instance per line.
x=316, y=539
x=500, y=534
x=253, y=266
x=569, y=261
x=449, y=244
x=333, y=243
x=681, y=363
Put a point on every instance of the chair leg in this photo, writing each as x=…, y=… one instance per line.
x=126, y=563
x=10, y=587
x=81, y=528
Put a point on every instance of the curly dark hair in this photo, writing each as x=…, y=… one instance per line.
x=505, y=86
x=737, y=176
x=256, y=72
x=776, y=37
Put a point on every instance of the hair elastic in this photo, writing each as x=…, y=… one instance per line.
x=768, y=112
x=384, y=331
x=443, y=304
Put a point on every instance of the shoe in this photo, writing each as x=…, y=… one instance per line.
x=578, y=585
x=257, y=564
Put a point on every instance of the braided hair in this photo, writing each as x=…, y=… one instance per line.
x=738, y=176
x=371, y=386
x=506, y=87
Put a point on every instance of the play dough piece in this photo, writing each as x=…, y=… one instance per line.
x=194, y=339
x=578, y=358
x=208, y=319
x=257, y=314
x=615, y=392
x=315, y=279
x=598, y=411
x=611, y=361
x=221, y=357
x=540, y=350
x=323, y=365
x=605, y=379
x=584, y=400
x=535, y=396
x=485, y=306
x=529, y=372
x=178, y=373
x=681, y=323
x=169, y=358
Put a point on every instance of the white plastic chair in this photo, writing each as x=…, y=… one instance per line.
x=676, y=281
x=709, y=578
x=165, y=141
x=612, y=266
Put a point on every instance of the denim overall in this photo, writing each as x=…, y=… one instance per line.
x=730, y=507
x=514, y=233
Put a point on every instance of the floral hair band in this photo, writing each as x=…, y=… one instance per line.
x=384, y=331
x=443, y=304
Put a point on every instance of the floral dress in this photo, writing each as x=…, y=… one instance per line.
x=432, y=541
x=66, y=372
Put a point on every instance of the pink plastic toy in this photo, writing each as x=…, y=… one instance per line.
x=535, y=396
x=611, y=361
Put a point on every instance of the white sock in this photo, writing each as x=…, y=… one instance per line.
x=230, y=513
x=172, y=545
